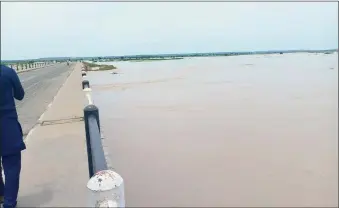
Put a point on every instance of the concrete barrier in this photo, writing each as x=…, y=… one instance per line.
x=83, y=74
x=23, y=67
x=105, y=187
x=85, y=84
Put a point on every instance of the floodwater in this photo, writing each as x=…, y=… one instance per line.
x=259, y=130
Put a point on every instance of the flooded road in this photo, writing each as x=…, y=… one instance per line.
x=258, y=130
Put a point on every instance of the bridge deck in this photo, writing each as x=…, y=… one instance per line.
x=54, y=166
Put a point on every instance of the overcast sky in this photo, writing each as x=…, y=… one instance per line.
x=49, y=29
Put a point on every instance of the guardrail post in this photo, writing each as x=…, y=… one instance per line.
x=85, y=84
x=106, y=189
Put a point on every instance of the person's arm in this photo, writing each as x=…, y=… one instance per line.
x=18, y=90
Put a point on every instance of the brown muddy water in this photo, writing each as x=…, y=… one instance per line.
x=258, y=130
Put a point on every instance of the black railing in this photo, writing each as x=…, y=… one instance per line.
x=106, y=187
x=85, y=84
x=95, y=151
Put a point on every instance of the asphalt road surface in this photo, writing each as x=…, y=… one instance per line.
x=40, y=86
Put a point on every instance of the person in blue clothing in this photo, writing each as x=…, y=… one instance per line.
x=11, y=136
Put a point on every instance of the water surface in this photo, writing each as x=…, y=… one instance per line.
x=257, y=130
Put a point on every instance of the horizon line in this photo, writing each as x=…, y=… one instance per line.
x=183, y=53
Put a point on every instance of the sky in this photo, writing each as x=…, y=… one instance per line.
x=61, y=29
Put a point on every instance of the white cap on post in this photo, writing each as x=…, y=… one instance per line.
x=106, y=189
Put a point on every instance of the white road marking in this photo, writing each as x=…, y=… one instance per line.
x=29, y=135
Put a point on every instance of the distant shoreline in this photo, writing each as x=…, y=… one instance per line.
x=154, y=59
x=167, y=56
x=98, y=67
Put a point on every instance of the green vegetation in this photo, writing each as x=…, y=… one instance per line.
x=135, y=58
x=90, y=66
x=26, y=62
x=155, y=59
x=106, y=67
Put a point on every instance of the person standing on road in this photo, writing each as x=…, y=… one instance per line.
x=11, y=136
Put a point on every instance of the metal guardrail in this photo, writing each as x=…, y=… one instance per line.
x=106, y=187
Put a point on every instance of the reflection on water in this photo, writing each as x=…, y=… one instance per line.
x=223, y=131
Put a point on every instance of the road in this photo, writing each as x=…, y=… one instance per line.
x=40, y=86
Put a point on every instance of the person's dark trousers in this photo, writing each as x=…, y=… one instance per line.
x=11, y=165
x=2, y=185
